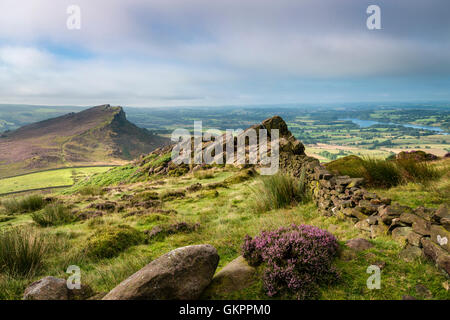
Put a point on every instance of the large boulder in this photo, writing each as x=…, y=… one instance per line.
x=181, y=274
x=48, y=288
x=235, y=276
x=51, y=288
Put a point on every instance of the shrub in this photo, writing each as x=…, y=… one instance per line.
x=278, y=191
x=53, y=214
x=22, y=251
x=26, y=204
x=110, y=241
x=298, y=259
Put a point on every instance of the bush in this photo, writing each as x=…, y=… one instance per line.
x=53, y=214
x=26, y=204
x=298, y=259
x=278, y=191
x=109, y=242
x=22, y=251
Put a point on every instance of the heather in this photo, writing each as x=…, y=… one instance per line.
x=297, y=259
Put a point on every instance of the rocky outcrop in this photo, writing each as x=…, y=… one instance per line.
x=289, y=147
x=181, y=274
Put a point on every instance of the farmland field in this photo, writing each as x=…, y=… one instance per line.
x=47, y=179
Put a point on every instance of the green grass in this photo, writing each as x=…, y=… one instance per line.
x=278, y=191
x=52, y=215
x=24, y=204
x=381, y=173
x=90, y=190
x=46, y=179
x=224, y=219
x=112, y=176
x=22, y=251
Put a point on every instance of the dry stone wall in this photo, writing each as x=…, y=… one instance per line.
x=424, y=231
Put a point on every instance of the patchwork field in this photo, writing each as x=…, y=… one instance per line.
x=47, y=179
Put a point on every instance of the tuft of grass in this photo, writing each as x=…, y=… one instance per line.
x=52, y=215
x=241, y=176
x=22, y=251
x=90, y=190
x=381, y=173
x=418, y=171
x=202, y=175
x=23, y=205
x=279, y=191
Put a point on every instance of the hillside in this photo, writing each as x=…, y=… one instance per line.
x=118, y=222
x=96, y=136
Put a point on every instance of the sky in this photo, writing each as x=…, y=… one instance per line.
x=148, y=53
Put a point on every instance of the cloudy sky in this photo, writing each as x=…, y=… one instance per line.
x=223, y=52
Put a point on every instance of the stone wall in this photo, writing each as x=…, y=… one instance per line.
x=424, y=231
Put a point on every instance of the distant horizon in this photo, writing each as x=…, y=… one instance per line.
x=443, y=103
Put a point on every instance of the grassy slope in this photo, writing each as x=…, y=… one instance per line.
x=46, y=179
x=225, y=219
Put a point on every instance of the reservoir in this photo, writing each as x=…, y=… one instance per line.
x=368, y=123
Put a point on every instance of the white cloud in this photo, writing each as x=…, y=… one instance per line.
x=205, y=52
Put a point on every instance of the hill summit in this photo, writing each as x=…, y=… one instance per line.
x=99, y=135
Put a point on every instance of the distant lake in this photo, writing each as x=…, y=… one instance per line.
x=368, y=123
